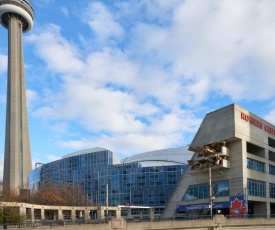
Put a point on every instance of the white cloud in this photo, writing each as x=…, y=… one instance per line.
x=59, y=54
x=226, y=43
x=64, y=11
x=43, y=3
x=31, y=96
x=176, y=122
x=125, y=144
x=102, y=22
x=110, y=66
x=270, y=116
x=73, y=144
x=99, y=109
x=162, y=65
x=59, y=127
x=3, y=63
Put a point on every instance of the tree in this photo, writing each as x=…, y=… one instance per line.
x=47, y=195
x=60, y=194
x=11, y=215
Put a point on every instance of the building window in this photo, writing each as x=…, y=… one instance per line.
x=255, y=165
x=255, y=150
x=256, y=188
x=271, y=142
x=221, y=188
x=271, y=155
x=272, y=170
x=272, y=190
x=201, y=191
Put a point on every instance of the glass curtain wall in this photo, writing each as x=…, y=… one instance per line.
x=127, y=183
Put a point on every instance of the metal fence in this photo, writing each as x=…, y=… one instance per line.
x=50, y=223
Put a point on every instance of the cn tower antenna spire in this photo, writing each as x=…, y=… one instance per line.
x=17, y=17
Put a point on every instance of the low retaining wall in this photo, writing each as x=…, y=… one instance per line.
x=219, y=222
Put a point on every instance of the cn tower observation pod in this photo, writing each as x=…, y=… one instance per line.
x=22, y=9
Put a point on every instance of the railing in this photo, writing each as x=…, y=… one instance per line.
x=204, y=217
x=252, y=216
x=28, y=7
x=50, y=223
x=129, y=220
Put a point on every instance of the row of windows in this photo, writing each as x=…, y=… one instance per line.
x=201, y=191
x=258, y=188
x=272, y=190
x=255, y=165
x=103, y=157
x=221, y=188
x=271, y=169
x=259, y=166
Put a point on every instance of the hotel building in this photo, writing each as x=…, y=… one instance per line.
x=232, y=170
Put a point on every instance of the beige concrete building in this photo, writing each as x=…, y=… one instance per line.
x=17, y=17
x=232, y=170
x=34, y=212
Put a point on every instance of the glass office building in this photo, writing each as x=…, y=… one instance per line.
x=149, y=182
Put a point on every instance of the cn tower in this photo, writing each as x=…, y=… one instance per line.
x=17, y=17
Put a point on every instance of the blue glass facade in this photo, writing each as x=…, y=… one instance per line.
x=201, y=191
x=127, y=183
x=272, y=190
x=272, y=170
x=255, y=165
x=35, y=178
x=256, y=188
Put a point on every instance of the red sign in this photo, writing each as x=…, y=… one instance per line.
x=257, y=123
x=238, y=208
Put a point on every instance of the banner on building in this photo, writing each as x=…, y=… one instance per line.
x=238, y=206
x=216, y=205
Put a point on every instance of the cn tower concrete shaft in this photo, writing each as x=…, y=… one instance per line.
x=15, y=16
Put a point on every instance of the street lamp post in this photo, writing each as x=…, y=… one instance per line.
x=98, y=192
x=211, y=198
x=214, y=154
x=107, y=197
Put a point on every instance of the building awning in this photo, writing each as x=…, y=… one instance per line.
x=216, y=205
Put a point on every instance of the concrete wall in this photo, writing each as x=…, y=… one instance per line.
x=219, y=222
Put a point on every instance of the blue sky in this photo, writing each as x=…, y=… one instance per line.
x=134, y=76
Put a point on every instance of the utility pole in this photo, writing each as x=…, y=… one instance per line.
x=210, y=192
x=107, y=200
x=107, y=196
